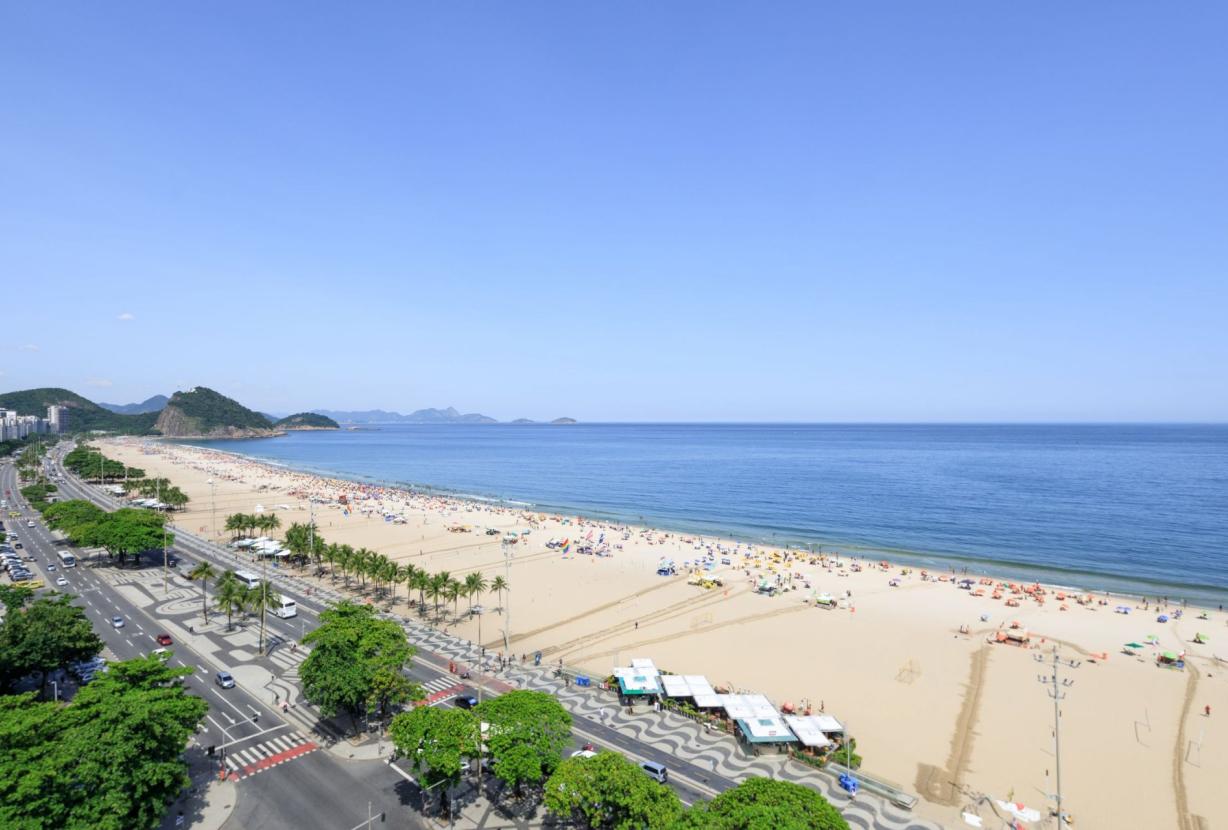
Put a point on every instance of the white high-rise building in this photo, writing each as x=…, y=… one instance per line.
x=57, y=418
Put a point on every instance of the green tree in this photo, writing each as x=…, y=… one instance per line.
x=521, y=722
x=44, y=635
x=130, y=531
x=608, y=791
x=354, y=653
x=437, y=588
x=436, y=742
x=454, y=591
x=766, y=804
x=203, y=572
x=111, y=759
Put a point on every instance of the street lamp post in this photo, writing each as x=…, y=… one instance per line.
x=1055, y=685
x=213, y=510
x=507, y=613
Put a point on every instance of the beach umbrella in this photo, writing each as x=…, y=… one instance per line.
x=1134, y=645
x=1168, y=655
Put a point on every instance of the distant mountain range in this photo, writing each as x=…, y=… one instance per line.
x=420, y=416
x=154, y=404
x=202, y=413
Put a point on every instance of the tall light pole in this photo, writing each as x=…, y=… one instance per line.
x=1055, y=685
x=213, y=502
x=507, y=613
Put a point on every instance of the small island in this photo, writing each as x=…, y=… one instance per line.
x=306, y=421
x=562, y=421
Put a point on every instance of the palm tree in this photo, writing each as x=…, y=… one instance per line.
x=420, y=581
x=359, y=563
x=437, y=588
x=228, y=597
x=236, y=523
x=204, y=572
x=329, y=554
x=389, y=573
x=499, y=584
x=258, y=600
x=475, y=584
x=405, y=573
x=346, y=559
x=270, y=521
x=454, y=591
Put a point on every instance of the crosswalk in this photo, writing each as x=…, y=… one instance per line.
x=276, y=750
x=439, y=684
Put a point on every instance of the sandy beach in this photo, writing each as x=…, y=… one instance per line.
x=913, y=668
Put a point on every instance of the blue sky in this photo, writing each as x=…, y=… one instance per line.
x=632, y=211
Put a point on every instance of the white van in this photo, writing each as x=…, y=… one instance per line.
x=287, y=610
x=247, y=578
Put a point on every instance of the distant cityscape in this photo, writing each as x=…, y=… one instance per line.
x=14, y=427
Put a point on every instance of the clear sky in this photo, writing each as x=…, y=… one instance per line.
x=622, y=211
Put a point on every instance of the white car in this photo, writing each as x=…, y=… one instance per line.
x=61, y=582
x=30, y=523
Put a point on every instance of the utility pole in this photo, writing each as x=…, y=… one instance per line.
x=1055, y=685
x=165, y=564
x=213, y=502
x=507, y=613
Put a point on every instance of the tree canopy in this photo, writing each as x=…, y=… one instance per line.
x=110, y=759
x=765, y=804
x=608, y=791
x=43, y=635
x=436, y=742
x=528, y=733
x=356, y=662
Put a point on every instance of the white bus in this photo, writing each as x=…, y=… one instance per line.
x=287, y=609
x=67, y=559
x=248, y=578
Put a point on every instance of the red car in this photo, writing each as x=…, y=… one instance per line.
x=164, y=639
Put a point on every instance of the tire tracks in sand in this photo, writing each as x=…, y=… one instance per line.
x=1185, y=821
x=588, y=612
x=944, y=786
x=689, y=605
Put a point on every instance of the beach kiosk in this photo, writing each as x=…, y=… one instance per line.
x=757, y=723
x=638, y=681
x=693, y=686
x=809, y=732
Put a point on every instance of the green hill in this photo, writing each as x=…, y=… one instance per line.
x=307, y=420
x=203, y=413
x=83, y=414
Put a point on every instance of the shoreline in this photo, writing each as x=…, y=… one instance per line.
x=1197, y=595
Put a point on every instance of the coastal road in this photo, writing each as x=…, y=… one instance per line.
x=285, y=780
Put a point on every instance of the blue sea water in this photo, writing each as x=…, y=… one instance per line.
x=1137, y=508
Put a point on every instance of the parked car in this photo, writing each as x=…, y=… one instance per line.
x=224, y=680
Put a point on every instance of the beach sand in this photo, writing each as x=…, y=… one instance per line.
x=944, y=714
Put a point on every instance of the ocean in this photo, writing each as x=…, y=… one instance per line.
x=1137, y=509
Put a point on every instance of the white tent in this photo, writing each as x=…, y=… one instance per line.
x=807, y=730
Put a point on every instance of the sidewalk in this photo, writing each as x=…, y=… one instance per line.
x=207, y=803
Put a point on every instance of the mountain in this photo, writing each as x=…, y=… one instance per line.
x=307, y=420
x=563, y=421
x=421, y=416
x=83, y=414
x=203, y=413
x=154, y=404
